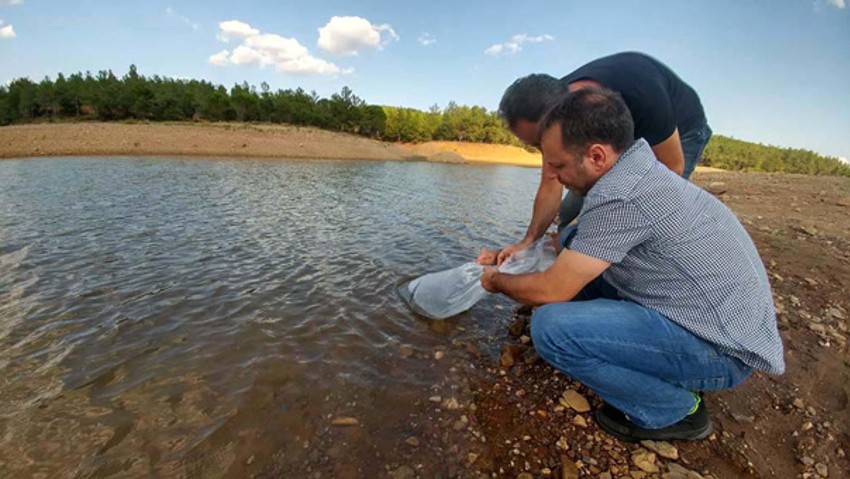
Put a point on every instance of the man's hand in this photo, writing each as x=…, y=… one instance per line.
x=509, y=251
x=487, y=257
x=487, y=279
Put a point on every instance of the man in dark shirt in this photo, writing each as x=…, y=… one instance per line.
x=667, y=113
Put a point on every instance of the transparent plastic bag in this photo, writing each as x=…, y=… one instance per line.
x=446, y=293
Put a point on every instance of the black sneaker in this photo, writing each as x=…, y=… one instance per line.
x=693, y=427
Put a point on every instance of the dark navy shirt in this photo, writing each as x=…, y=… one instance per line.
x=659, y=100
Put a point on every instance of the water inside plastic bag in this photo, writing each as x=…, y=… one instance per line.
x=446, y=293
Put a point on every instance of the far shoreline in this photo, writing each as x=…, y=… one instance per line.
x=236, y=141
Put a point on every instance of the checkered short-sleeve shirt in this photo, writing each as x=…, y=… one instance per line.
x=676, y=249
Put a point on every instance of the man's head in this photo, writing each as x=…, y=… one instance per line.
x=582, y=136
x=525, y=102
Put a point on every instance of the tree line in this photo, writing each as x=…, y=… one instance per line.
x=106, y=97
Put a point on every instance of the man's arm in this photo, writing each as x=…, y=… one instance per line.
x=670, y=153
x=546, y=205
x=571, y=272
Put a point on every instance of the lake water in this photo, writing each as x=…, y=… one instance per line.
x=211, y=318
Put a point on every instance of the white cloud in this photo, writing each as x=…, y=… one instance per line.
x=426, y=39
x=235, y=30
x=837, y=3
x=844, y=160
x=514, y=45
x=172, y=14
x=352, y=35
x=258, y=49
x=11, y=2
x=8, y=31
x=221, y=58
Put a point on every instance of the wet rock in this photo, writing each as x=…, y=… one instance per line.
x=662, y=448
x=645, y=460
x=404, y=472
x=822, y=469
x=345, y=421
x=530, y=356
x=569, y=470
x=571, y=398
x=518, y=326
x=510, y=355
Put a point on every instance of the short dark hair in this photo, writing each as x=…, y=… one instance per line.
x=591, y=115
x=529, y=97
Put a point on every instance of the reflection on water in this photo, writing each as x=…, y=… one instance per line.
x=211, y=317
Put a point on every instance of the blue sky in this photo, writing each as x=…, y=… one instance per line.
x=772, y=71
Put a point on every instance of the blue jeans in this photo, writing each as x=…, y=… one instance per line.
x=633, y=357
x=693, y=144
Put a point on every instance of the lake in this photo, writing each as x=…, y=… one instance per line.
x=213, y=317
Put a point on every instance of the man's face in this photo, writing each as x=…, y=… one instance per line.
x=526, y=131
x=570, y=169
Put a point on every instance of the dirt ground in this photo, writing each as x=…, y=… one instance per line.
x=234, y=140
x=795, y=425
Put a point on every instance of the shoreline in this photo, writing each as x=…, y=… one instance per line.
x=235, y=140
x=242, y=141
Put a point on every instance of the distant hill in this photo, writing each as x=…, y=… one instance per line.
x=731, y=154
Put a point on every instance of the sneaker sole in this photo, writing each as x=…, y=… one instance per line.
x=626, y=437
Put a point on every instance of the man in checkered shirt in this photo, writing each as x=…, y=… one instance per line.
x=661, y=294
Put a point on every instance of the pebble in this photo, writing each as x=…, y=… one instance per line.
x=580, y=421
x=716, y=188
x=524, y=475
x=451, y=404
x=663, y=448
x=345, y=421
x=569, y=470
x=404, y=472
x=806, y=460
x=438, y=355
x=818, y=328
x=835, y=313
x=576, y=401
x=471, y=457
x=405, y=351
x=822, y=469
x=677, y=471
x=798, y=403
x=562, y=443
x=412, y=441
x=645, y=460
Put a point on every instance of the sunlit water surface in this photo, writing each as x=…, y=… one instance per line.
x=173, y=317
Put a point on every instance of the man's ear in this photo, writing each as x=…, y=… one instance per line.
x=598, y=155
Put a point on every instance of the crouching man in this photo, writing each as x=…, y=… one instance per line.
x=661, y=294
